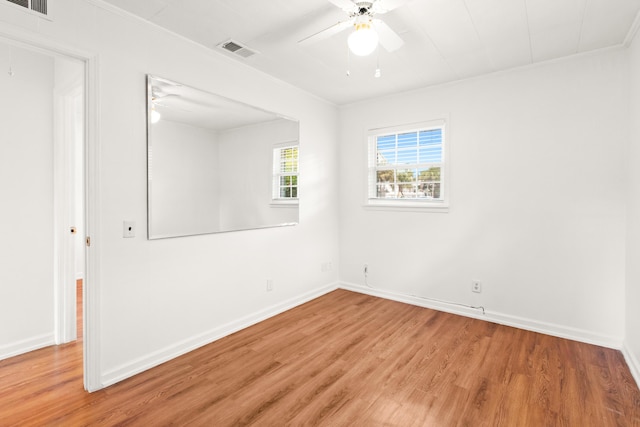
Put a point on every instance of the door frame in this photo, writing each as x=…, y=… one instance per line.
x=91, y=282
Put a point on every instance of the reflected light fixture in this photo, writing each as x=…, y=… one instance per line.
x=363, y=40
x=155, y=116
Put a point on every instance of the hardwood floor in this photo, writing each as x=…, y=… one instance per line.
x=344, y=359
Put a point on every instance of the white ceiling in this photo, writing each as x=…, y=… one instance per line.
x=187, y=105
x=445, y=40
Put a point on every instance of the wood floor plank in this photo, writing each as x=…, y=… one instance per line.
x=344, y=359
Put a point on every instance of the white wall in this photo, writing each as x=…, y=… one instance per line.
x=184, y=191
x=632, y=341
x=246, y=168
x=537, y=198
x=159, y=298
x=26, y=192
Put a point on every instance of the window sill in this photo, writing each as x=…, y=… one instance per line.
x=284, y=203
x=406, y=205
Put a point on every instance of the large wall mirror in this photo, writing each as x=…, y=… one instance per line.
x=215, y=164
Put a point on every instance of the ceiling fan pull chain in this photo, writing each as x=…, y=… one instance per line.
x=348, y=62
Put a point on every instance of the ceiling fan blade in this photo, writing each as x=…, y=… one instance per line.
x=384, y=6
x=327, y=32
x=388, y=38
x=346, y=5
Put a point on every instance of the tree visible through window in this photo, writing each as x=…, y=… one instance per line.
x=407, y=164
x=285, y=173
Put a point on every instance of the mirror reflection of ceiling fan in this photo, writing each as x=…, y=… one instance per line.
x=368, y=31
x=160, y=97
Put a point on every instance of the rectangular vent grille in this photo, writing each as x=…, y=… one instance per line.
x=39, y=6
x=237, y=49
x=23, y=3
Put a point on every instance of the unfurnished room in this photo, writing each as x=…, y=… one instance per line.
x=320, y=212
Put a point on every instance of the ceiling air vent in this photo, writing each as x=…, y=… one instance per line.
x=237, y=49
x=39, y=6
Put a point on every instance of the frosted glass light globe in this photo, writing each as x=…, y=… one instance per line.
x=155, y=116
x=363, y=40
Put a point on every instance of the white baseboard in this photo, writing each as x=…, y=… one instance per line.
x=495, y=317
x=25, y=346
x=158, y=357
x=632, y=362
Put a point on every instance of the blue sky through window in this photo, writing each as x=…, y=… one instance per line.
x=410, y=148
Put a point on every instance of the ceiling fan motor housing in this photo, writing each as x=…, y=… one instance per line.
x=364, y=8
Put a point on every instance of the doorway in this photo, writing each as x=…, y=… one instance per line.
x=68, y=160
x=42, y=185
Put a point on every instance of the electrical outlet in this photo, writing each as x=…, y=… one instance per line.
x=476, y=287
x=269, y=285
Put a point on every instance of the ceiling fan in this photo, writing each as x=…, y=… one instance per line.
x=368, y=30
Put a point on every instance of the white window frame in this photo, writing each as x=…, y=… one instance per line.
x=276, y=200
x=412, y=204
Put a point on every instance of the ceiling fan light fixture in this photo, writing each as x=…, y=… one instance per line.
x=155, y=116
x=364, y=39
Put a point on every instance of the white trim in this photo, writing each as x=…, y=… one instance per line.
x=91, y=284
x=632, y=362
x=26, y=345
x=555, y=330
x=406, y=206
x=156, y=358
x=285, y=203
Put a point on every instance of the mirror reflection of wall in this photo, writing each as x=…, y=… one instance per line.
x=246, y=195
x=211, y=164
x=183, y=184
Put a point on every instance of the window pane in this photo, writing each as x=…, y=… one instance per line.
x=294, y=192
x=289, y=166
x=385, y=190
x=408, y=140
x=387, y=142
x=289, y=159
x=406, y=191
x=384, y=176
x=406, y=175
x=431, y=137
x=430, y=190
x=386, y=157
x=407, y=157
x=431, y=174
x=285, y=192
x=431, y=154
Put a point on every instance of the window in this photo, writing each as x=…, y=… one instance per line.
x=285, y=174
x=407, y=166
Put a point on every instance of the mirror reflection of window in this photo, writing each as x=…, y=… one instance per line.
x=210, y=163
x=285, y=173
